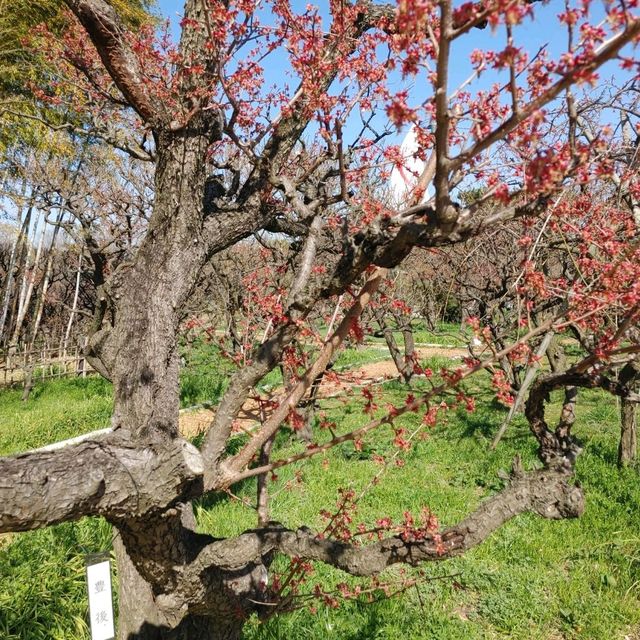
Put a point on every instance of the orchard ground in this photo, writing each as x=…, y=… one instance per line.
x=532, y=579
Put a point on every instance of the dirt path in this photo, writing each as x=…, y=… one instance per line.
x=193, y=422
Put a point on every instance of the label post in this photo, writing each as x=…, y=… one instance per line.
x=101, y=622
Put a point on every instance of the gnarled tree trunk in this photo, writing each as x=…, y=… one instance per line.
x=141, y=353
x=145, y=615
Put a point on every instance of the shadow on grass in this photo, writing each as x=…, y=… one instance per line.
x=477, y=423
x=601, y=449
x=374, y=622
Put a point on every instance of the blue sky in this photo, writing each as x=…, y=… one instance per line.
x=545, y=30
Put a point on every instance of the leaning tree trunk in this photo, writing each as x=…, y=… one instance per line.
x=15, y=262
x=404, y=362
x=28, y=281
x=74, y=307
x=42, y=296
x=10, y=277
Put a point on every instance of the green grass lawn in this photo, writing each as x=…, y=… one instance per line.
x=200, y=382
x=56, y=410
x=532, y=579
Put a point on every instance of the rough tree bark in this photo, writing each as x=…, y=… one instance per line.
x=628, y=446
x=145, y=376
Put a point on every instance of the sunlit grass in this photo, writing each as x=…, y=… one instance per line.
x=532, y=579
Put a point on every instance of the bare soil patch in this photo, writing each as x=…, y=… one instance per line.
x=196, y=421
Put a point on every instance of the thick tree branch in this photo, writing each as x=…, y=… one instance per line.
x=557, y=448
x=548, y=493
x=224, y=476
x=105, y=476
x=390, y=241
x=109, y=37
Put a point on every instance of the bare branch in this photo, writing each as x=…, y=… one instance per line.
x=109, y=38
x=605, y=53
x=445, y=213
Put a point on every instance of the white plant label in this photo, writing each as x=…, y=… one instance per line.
x=100, y=599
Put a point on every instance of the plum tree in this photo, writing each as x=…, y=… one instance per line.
x=282, y=165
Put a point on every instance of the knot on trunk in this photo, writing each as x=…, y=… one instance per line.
x=559, y=454
x=201, y=122
x=447, y=216
x=562, y=500
x=250, y=582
